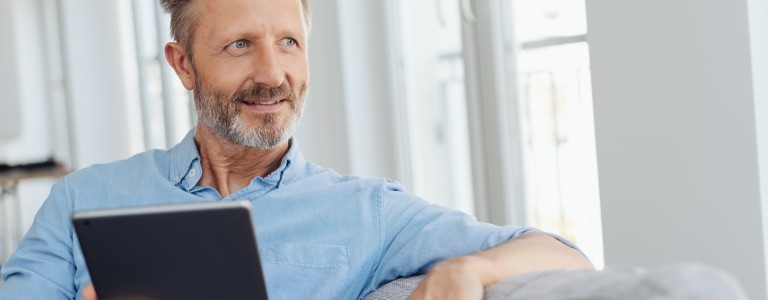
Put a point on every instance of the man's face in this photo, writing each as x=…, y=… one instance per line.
x=251, y=70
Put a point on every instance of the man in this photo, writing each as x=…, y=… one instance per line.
x=323, y=235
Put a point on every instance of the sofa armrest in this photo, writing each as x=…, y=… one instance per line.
x=684, y=281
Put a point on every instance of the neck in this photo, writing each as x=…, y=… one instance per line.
x=230, y=167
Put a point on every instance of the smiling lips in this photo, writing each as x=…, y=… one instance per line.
x=264, y=106
x=262, y=101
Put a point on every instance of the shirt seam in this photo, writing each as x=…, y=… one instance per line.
x=71, y=206
x=381, y=223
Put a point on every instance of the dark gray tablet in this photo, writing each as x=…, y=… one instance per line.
x=184, y=251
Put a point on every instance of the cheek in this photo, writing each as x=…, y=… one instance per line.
x=298, y=73
x=222, y=80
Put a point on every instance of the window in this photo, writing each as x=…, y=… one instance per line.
x=434, y=98
x=167, y=108
x=508, y=76
x=557, y=121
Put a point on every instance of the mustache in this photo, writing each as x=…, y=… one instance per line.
x=265, y=92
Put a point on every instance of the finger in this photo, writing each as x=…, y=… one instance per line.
x=89, y=293
x=418, y=293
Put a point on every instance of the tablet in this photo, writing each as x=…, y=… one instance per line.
x=182, y=251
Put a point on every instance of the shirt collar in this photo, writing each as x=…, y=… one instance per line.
x=185, y=169
x=183, y=158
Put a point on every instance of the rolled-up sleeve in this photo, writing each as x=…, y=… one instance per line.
x=415, y=234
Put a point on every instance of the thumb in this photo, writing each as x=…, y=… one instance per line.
x=89, y=293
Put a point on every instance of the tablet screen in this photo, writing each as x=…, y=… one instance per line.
x=182, y=251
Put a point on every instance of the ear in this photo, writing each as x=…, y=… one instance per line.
x=177, y=58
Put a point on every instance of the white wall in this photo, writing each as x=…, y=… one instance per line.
x=323, y=134
x=101, y=80
x=676, y=134
x=348, y=121
x=26, y=73
x=758, y=27
x=9, y=98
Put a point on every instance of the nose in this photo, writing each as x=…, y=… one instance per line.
x=267, y=69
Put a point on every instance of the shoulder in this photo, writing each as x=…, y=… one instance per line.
x=377, y=193
x=142, y=163
x=117, y=183
x=381, y=187
x=318, y=175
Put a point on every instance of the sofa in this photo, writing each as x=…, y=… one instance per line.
x=690, y=281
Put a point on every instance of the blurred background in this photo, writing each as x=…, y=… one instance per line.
x=505, y=109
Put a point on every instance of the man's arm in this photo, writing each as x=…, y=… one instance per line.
x=43, y=266
x=465, y=277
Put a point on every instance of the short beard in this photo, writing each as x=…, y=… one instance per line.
x=223, y=115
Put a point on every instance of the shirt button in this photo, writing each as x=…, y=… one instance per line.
x=192, y=173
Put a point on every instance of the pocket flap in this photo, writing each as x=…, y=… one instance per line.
x=306, y=255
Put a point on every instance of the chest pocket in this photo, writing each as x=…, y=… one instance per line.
x=305, y=271
x=306, y=255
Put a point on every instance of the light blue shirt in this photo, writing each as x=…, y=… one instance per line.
x=321, y=235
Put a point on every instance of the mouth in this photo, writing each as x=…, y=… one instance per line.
x=262, y=101
x=264, y=106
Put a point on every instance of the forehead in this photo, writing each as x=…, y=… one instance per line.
x=221, y=17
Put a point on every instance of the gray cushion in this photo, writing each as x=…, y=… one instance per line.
x=397, y=289
x=686, y=281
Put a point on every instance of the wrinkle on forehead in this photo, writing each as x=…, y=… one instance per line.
x=236, y=17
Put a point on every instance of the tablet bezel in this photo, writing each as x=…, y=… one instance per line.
x=131, y=251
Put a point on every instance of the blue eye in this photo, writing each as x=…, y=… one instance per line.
x=240, y=44
x=288, y=42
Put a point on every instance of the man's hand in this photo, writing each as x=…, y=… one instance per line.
x=466, y=277
x=89, y=293
x=457, y=278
